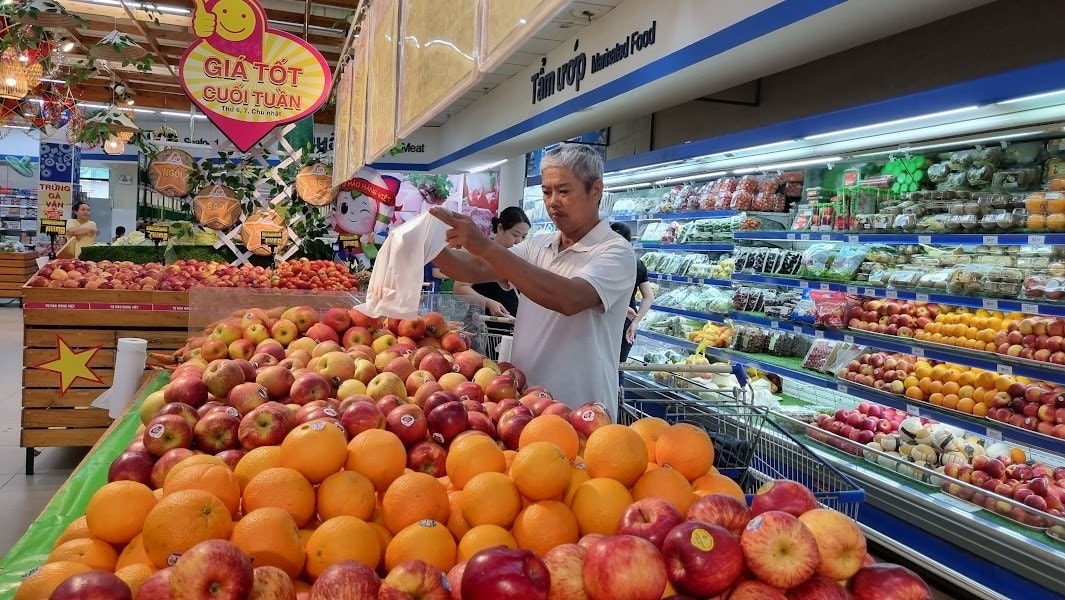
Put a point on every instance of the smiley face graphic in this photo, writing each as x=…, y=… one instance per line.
x=235, y=18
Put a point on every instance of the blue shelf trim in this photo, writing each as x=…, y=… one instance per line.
x=1003, y=304
x=685, y=279
x=722, y=247
x=714, y=317
x=983, y=427
x=694, y=214
x=955, y=239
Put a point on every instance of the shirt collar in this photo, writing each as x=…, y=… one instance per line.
x=590, y=239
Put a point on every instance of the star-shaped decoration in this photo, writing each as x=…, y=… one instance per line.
x=71, y=365
x=169, y=172
x=216, y=207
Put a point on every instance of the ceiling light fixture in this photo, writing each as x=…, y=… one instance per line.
x=175, y=10
x=67, y=46
x=486, y=167
x=788, y=165
x=944, y=113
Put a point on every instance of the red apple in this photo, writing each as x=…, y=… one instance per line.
x=190, y=414
x=500, y=387
x=271, y=583
x=214, y=569
x=819, y=588
x=157, y=586
x=779, y=549
x=320, y=332
x=565, y=563
x=165, y=463
x=888, y=582
x=446, y=421
x=753, y=589
x=310, y=386
x=469, y=390
x=437, y=399
x=188, y=390
x=231, y=457
x=479, y=421
x=511, y=424
x=247, y=397
x=622, y=566
x=414, y=580
x=651, y=519
x=724, y=511
x=346, y=580
x=427, y=457
x=409, y=424
x=360, y=416
x=132, y=465
x=217, y=432
x=92, y=585
x=277, y=381
x=784, y=495
x=165, y=433
x=264, y=426
x=840, y=543
x=588, y=418
x=703, y=559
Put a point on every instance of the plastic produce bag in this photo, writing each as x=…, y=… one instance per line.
x=396, y=282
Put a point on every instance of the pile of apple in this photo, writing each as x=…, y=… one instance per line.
x=860, y=425
x=103, y=275
x=1035, y=406
x=892, y=317
x=1037, y=485
x=880, y=370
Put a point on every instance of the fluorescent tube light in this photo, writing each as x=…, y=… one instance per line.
x=1032, y=97
x=174, y=10
x=170, y=113
x=966, y=142
x=788, y=165
x=944, y=113
x=621, y=188
x=487, y=166
x=702, y=177
x=749, y=148
x=649, y=167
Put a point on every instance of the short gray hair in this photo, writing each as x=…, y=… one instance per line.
x=583, y=160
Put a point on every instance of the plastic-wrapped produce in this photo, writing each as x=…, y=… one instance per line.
x=725, y=184
x=748, y=184
x=769, y=185
x=742, y=199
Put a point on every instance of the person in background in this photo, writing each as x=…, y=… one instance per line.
x=647, y=293
x=499, y=299
x=436, y=281
x=575, y=283
x=80, y=229
x=119, y=232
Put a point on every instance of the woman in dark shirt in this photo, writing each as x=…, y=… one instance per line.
x=647, y=297
x=510, y=228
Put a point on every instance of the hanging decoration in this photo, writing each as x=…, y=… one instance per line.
x=18, y=74
x=314, y=184
x=169, y=171
x=43, y=13
x=50, y=111
x=260, y=221
x=105, y=124
x=216, y=207
x=117, y=46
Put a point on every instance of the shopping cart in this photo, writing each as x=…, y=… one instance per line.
x=498, y=333
x=749, y=447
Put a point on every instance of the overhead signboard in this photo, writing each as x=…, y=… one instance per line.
x=507, y=25
x=382, y=49
x=246, y=77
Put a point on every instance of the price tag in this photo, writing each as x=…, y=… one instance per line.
x=796, y=328
x=852, y=289
x=805, y=237
x=869, y=292
x=826, y=237
x=791, y=237
x=1037, y=240
x=1004, y=369
x=922, y=297
x=892, y=294
x=159, y=232
x=841, y=388
x=993, y=434
x=824, y=287
x=1030, y=309
x=350, y=242
x=849, y=339
x=990, y=240
x=919, y=352
x=990, y=303
x=53, y=226
x=819, y=334
x=913, y=410
x=271, y=239
x=774, y=324
x=804, y=284
x=924, y=239
x=853, y=239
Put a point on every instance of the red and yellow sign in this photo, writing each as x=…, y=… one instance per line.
x=246, y=77
x=71, y=365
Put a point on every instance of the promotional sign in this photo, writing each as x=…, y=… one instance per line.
x=246, y=77
x=53, y=201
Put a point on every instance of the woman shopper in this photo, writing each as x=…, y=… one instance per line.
x=80, y=230
x=647, y=293
x=499, y=299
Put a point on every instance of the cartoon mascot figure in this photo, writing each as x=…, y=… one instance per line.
x=365, y=207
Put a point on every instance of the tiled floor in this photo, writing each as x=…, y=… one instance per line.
x=22, y=496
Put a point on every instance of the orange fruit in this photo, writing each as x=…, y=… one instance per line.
x=541, y=471
x=980, y=409
x=269, y=536
x=456, y=523
x=133, y=554
x=716, y=483
x=482, y=537
x=342, y=538
x=135, y=575
x=94, y=552
x=554, y=429
x=598, y=505
x=316, y=449
x=914, y=393
x=256, y=461
x=192, y=461
x=686, y=448
x=377, y=454
x=413, y=497
x=116, y=511
x=617, y=452
x=543, y=525
x=509, y=456
x=578, y=474
x=490, y=499
x=950, y=401
x=472, y=455
x=1003, y=383
x=950, y=387
x=217, y=480
x=78, y=528
x=180, y=521
x=966, y=405
x=936, y=399
x=283, y=488
x=426, y=540
x=1018, y=455
x=649, y=429
x=346, y=493
x=44, y=580
x=665, y=483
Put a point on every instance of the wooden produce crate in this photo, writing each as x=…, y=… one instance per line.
x=15, y=269
x=86, y=319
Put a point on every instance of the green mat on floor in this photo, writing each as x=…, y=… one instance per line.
x=70, y=501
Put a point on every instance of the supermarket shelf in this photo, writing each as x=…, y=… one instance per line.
x=721, y=247
x=694, y=214
x=695, y=280
x=1003, y=304
x=949, y=239
x=781, y=324
x=985, y=427
x=714, y=317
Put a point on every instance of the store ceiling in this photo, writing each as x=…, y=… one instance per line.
x=322, y=22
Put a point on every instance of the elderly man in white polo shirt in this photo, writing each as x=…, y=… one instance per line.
x=575, y=284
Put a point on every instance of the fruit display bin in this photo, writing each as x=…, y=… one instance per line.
x=85, y=321
x=32, y=549
x=15, y=269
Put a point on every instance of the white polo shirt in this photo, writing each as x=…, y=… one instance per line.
x=576, y=357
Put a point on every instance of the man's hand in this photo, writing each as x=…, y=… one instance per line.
x=464, y=233
x=204, y=21
x=496, y=309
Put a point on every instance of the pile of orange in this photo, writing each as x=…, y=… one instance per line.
x=317, y=499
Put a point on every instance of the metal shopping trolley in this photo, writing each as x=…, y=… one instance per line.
x=498, y=333
x=749, y=447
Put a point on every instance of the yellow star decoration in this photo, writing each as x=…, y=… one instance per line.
x=71, y=365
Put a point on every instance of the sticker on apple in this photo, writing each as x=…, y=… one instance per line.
x=156, y=431
x=702, y=540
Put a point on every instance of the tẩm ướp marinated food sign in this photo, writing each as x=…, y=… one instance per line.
x=246, y=77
